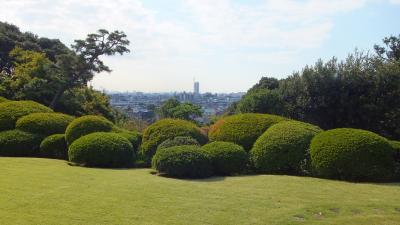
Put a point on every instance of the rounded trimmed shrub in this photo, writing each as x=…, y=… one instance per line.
x=2, y=99
x=227, y=158
x=178, y=141
x=54, y=146
x=352, y=154
x=133, y=136
x=186, y=161
x=11, y=111
x=44, y=123
x=19, y=143
x=242, y=129
x=165, y=129
x=102, y=149
x=283, y=147
x=396, y=155
x=85, y=125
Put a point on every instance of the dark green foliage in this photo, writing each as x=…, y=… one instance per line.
x=166, y=129
x=283, y=147
x=352, y=154
x=54, y=146
x=2, y=99
x=396, y=154
x=227, y=158
x=263, y=100
x=44, y=123
x=242, y=129
x=178, y=141
x=85, y=125
x=11, y=111
x=102, y=149
x=134, y=137
x=19, y=143
x=172, y=108
x=186, y=161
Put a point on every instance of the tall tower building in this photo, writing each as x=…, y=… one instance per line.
x=196, y=90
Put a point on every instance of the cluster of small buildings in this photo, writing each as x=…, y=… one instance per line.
x=143, y=105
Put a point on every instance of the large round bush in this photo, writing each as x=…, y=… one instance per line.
x=242, y=129
x=19, y=143
x=283, y=147
x=352, y=154
x=227, y=158
x=11, y=111
x=178, y=141
x=85, y=125
x=2, y=99
x=44, y=123
x=102, y=149
x=166, y=129
x=186, y=161
x=54, y=146
x=133, y=136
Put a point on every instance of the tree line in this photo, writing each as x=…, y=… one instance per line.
x=361, y=91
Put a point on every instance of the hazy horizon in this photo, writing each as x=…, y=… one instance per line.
x=226, y=45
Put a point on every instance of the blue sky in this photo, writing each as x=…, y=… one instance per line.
x=227, y=45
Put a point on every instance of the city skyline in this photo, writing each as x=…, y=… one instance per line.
x=228, y=45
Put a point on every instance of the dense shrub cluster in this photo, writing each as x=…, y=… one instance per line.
x=186, y=161
x=178, y=141
x=283, y=147
x=54, y=146
x=85, y=125
x=165, y=129
x=44, y=123
x=2, y=99
x=19, y=143
x=11, y=111
x=242, y=129
x=352, y=154
x=102, y=149
x=227, y=158
x=134, y=137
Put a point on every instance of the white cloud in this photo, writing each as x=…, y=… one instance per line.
x=273, y=31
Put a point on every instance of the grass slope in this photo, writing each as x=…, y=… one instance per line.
x=43, y=191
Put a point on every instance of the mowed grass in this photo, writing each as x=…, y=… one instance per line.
x=44, y=191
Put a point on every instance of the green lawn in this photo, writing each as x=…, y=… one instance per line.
x=44, y=191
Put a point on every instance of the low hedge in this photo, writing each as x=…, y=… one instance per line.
x=165, y=129
x=102, y=149
x=242, y=129
x=44, y=123
x=186, y=161
x=54, y=146
x=283, y=147
x=227, y=158
x=178, y=141
x=352, y=154
x=19, y=143
x=11, y=111
x=85, y=125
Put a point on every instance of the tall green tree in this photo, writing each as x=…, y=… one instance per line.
x=80, y=66
x=172, y=108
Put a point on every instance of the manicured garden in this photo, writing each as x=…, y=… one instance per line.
x=48, y=191
x=247, y=169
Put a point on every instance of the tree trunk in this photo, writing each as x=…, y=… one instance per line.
x=57, y=97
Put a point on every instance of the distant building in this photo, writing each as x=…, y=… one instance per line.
x=196, y=88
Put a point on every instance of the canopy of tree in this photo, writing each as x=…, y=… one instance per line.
x=172, y=108
x=47, y=71
x=363, y=91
